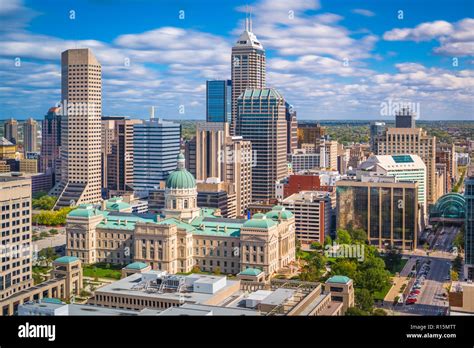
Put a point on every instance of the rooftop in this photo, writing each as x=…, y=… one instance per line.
x=339, y=279
x=66, y=259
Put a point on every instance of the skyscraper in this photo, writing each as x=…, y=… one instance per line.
x=399, y=141
x=376, y=129
x=30, y=132
x=15, y=203
x=117, y=154
x=81, y=95
x=218, y=101
x=228, y=158
x=10, y=128
x=156, y=145
x=469, y=225
x=50, y=143
x=247, y=68
x=261, y=120
x=291, y=129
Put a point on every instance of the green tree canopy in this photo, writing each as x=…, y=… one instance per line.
x=343, y=237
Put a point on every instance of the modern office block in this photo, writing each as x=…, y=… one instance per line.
x=386, y=209
x=248, y=67
x=30, y=135
x=261, y=120
x=156, y=143
x=15, y=227
x=81, y=95
x=219, y=101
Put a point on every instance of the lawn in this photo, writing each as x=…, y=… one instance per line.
x=380, y=295
x=400, y=266
x=100, y=270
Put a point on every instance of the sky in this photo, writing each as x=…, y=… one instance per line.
x=330, y=59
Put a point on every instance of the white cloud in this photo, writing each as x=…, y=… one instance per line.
x=363, y=12
x=455, y=39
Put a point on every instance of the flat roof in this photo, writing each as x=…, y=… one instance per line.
x=123, y=287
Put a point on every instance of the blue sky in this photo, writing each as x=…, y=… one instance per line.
x=330, y=59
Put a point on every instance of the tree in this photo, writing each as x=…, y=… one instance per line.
x=217, y=271
x=343, y=237
x=327, y=240
x=393, y=258
x=364, y=299
x=358, y=235
x=458, y=241
x=454, y=275
x=379, y=312
x=344, y=267
x=48, y=254
x=457, y=263
x=316, y=246
x=354, y=311
x=195, y=269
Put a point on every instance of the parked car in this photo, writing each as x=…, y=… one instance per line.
x=411, y=301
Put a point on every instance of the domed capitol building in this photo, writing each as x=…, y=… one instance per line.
x=183, y=235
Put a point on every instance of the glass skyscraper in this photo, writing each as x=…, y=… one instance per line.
x=156, y=145
x=218, y=101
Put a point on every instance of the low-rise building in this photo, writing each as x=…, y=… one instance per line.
x=312, y=211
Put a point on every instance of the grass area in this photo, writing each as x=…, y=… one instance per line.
x=380, y=295
x=101, y=270
x=41, y=269
x=400, y=266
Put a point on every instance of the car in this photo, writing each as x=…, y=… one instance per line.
x=417, y=287
x=415, y=292
x=411, y=301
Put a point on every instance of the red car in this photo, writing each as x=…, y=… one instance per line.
x=415, y=292
x=411, y=301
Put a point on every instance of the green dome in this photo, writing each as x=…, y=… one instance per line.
x=84, y=210
x=180, y=179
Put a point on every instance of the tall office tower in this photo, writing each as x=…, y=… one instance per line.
x=156, y=145
x=261, y=120
x=248, y=67
x=312, y=210
x=238, y=154
x=190, y=155
x=15, y=223
x=309, y=133
x=219, y=155
x=30, y=135
x=117, y=154
x=376, y=129
x=50, y=143
x=328, y=153
x=291, y=129
x=210, y=146
x=10, y=128
x=107, y=136
x=469, y=225
x=381, y=206
x=81, y=95
x=399, y=141
x=446, y=154
x=405, y=118
x=219, y=101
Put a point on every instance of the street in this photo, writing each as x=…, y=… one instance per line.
x=430, y=300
